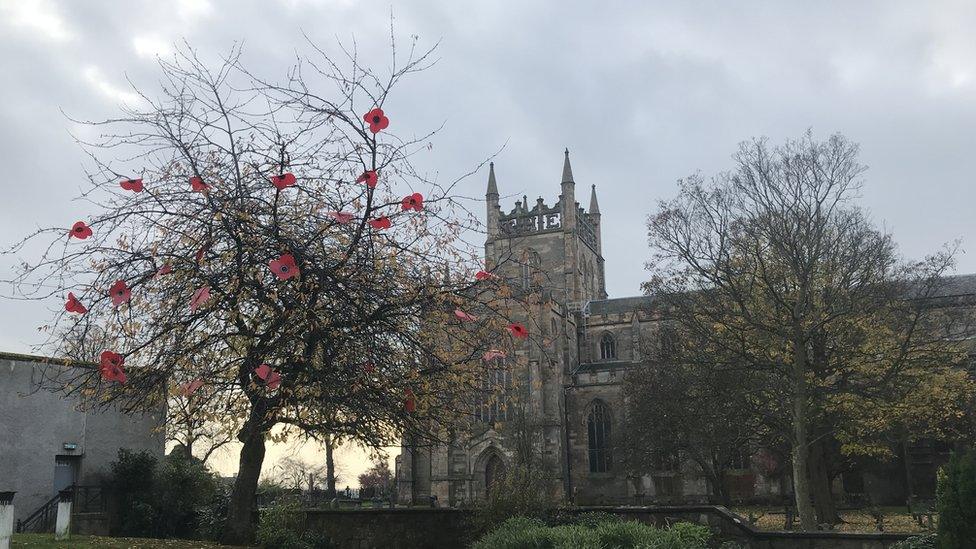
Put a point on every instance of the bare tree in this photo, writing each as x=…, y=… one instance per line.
x=776, y=268
x=274, y=242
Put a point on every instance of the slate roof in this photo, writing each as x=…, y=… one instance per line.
x=955, y=286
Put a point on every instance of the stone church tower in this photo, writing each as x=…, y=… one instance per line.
x=564, y=390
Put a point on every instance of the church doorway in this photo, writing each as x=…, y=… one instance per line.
x=494, y=473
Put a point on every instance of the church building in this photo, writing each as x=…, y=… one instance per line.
x=570, y=380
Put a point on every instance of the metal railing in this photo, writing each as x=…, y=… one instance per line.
x=85, y=499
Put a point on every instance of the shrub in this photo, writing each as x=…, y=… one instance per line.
x=925, y=541
x=956, y=502
x=184, y=489
x=531, y=533
x=281, y=527
x=132, y=483
x=521, y=493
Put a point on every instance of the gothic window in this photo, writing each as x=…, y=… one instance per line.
x=598, y=437
x=608, y=347
x=494, y=397
x=531, y=265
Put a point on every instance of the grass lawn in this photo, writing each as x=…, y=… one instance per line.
x=896, y=519
x=47, y=541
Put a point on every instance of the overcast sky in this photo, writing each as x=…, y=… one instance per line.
x=642, y=93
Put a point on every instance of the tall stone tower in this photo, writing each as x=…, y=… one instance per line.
x=554, y=248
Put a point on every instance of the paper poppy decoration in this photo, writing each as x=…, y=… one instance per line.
x=483, y=275
x=284, y=267
x=74, y=306
x=270, y=377
x=283, y=180
x=409, y=401
x=492, y=354
x=80, y=231
x=369, y=368
x=369, y=178
x=377, y=120
x=110, y=366
x=197, y=184
x=413, y=202
x=119, y=292
x=380, y=223
x=134, y=185
x=191, y=387
x=201, y=296
x=463, y=316
x=518, y=330
x=164, y=270
x=342, y=217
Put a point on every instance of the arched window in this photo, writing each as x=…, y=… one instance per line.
x=531, y=264
x=608, y=347
x=598, y=437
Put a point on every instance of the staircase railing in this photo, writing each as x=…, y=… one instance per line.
x=41, y=520
x=86, y=499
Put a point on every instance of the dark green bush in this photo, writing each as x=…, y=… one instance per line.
x=531, y=533
x=925, y=541
x=956, y=502
x=160, y=499
x=281, y=527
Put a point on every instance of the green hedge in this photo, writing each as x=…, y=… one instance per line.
x=529, y=533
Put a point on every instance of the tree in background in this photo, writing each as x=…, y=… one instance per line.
x=957, y=502
x=377, y=481
x=775, y=268
x=700, y=409
x=271, y=247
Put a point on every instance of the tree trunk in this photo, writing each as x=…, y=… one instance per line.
x=239, y=528
x=801, y=483
x=330, y=477
x=905, y=457
x=823, y=499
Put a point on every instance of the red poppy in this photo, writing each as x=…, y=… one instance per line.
x=377, y=120
x=134, y=185
x=110, y=366
x=413, y=202
x=262, y=371
x=80, y=231
x=518, y=330
x=120, y=293
x=270, y=377
x=197, y=184
x=410, y=402
x=191, y=387
x=381, y=222
x=483, y=275
x=342, y=217
x=369, y=178
x=463, y=316
x=284, y=267
x=492, y=354
x=284, y=180
x=74, y=306
x=201, y=296
x=274, y=380
x=369, y=368
x=164, y=270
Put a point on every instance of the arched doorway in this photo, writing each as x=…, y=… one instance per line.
x=494, y=473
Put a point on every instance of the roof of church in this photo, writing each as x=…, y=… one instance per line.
x=955, y=286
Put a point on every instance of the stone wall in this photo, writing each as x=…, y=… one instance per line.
x=448, y=528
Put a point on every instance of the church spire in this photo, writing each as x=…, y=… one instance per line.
x=594, y=206
x=492, y=186
x=567, y=169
